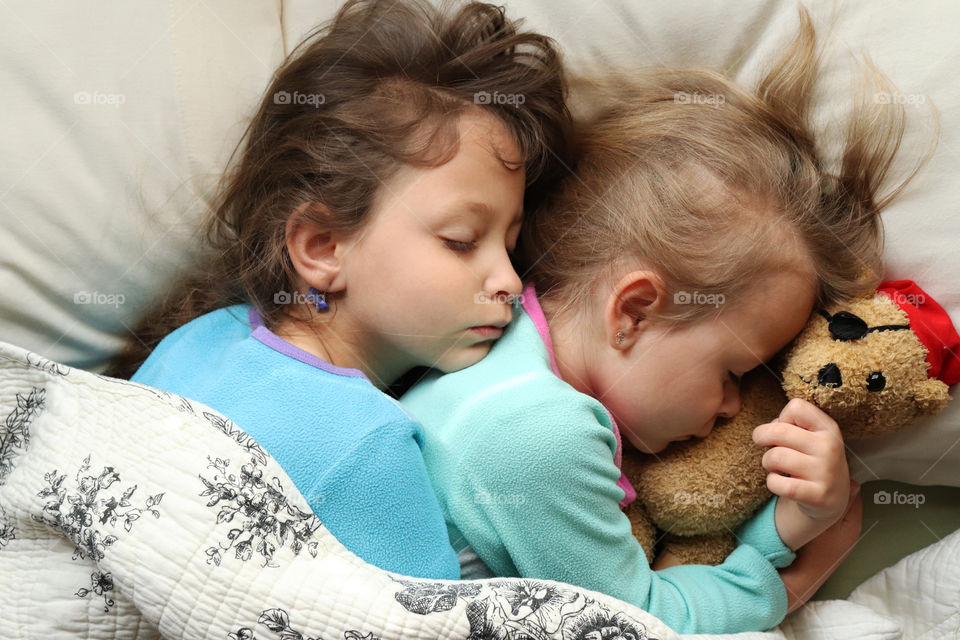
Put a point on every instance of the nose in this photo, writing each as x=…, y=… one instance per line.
x=829, y=376
x=730, y=406
x=502, y=279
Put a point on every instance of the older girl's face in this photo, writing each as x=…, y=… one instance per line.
x=674, y=382
x=429, y=280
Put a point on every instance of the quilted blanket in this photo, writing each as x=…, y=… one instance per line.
x=128, y=512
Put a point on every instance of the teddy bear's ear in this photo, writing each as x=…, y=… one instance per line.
x=930, y=396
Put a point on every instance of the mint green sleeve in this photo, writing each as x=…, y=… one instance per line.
x=534, y=492
x=760, y=532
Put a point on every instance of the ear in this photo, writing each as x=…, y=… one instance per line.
x=634, y=298
x=315, y=251
x=930, y=396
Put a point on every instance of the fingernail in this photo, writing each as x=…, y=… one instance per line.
x=854, y=488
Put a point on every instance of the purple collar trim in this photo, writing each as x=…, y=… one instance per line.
x=275, y=342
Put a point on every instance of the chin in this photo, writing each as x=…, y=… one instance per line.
x=650, y=448
x=467, y=357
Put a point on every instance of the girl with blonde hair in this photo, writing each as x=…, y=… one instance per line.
x=699, y=230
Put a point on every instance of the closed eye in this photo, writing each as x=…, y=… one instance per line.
x=460, y=246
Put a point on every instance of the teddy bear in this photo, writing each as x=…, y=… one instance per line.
x=874, y=365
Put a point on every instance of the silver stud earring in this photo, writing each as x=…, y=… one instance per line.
x=620, y=336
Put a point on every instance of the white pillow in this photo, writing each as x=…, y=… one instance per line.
x=117, y=119
x=99, y=201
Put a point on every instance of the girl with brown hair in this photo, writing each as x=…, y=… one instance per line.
x=365, y=229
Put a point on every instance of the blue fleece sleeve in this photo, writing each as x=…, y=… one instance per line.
x=535, y=495
x=387, y=512
x=760, y=532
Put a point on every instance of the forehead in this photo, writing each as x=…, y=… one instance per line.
x=474, y=182
x=481, y=149
x=769, y=316
x=484, y=134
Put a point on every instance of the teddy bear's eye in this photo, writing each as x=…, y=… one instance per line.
x=876, y=381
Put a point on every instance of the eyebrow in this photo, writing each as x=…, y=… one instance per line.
x=483, y=209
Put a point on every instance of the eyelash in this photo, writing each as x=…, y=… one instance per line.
x=459, y=246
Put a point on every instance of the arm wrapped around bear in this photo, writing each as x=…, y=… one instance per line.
x=874, y=364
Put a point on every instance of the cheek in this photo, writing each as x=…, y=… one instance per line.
x=423, y=298
x=697, y=396
x=681, y=380
x=437, y=289
x=637, y=399
x=712, y=390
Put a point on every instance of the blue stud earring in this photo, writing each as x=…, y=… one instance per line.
x=318, y=298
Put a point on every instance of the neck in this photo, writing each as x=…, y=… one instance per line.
x=569, y=347
x=330, y=340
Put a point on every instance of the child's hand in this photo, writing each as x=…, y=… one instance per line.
x=818, y=559
x=807, y=469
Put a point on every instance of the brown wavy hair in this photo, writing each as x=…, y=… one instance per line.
x=685, y=172
x=379, y=86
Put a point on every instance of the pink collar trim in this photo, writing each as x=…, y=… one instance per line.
x=528, y=299
x=530, y=304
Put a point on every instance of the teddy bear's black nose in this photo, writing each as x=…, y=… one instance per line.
x=829, y=376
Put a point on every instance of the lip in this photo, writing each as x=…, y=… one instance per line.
x=488, y=331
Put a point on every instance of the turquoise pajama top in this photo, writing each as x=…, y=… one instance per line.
x=524, y=468
x=351, y=450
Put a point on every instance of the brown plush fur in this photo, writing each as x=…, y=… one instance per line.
x=897, y=355
x=705, y=488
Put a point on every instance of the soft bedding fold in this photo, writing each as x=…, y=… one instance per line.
x=128, y=512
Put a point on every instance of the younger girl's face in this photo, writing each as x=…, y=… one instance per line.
x=429, y=279
x=674, y=383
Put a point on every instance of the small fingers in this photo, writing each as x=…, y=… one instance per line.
x=782, y=485
x=803, y=491
x=788, y=461
x=783, y=434
x=807, y=415
x=820, y=444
